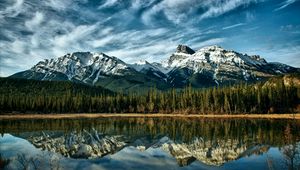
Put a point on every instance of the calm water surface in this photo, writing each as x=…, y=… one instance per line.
x=150, y=143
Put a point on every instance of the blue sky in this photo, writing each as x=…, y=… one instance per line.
x=32, y=30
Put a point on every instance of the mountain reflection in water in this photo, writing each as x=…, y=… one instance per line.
x=212, y=142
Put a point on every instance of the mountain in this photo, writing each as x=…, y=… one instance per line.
x=209, y=66
x=213, y=65
x=94, y=69
x=79, y=66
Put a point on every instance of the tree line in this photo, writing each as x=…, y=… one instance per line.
x=30, y=96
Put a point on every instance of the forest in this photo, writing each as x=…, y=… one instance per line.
x=31, y=96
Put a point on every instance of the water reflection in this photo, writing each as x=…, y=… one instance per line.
x=82, y=144
x=200, y=142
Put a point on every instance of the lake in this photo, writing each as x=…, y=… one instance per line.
x=150, y=143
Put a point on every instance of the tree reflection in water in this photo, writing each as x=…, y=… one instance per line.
x=291, y=149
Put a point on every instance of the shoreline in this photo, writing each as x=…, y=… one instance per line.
x=152, y=115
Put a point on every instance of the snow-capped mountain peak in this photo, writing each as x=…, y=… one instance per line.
x=82, y=66
x=214, y=55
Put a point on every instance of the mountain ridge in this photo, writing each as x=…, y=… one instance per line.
x=208, y=66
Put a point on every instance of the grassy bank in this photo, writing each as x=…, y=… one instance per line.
x=100, y=115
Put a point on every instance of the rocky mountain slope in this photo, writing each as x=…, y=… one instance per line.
x=209, y=66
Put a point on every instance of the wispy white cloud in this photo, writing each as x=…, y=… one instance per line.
x=175, y=11
x=16, y=60
x=58, y=4
x=290, y=28
x=233, y=26
x=127, y=37
x=13, y=10
x=180, y=11
x=138, y=4
x=217, y=8
x=37, y=19
x=285, y=4
x=102, y=41
x=213, y=41
x=78, y=33
x=108, y=3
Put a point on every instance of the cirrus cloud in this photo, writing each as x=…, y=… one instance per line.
x=33, y=30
